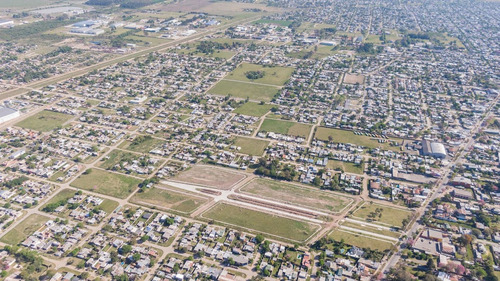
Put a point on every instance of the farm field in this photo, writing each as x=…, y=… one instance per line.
x=343, y=136
x=166, y=198
x=210, y=176
x=253, y=109
x=44, y=121
x=275, y=75
x=244, y=90
x=142, y=144
x=24, y=229
x=253, y=147
x=390, y=216
x=107, y=183
x=296, y=195
x=359, y=240
x=285, y=127
x=261, y=222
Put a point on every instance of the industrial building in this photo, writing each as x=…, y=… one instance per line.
x=434, y=149
x=7, y=114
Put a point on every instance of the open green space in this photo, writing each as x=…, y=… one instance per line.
x=106, y=183
x=389, y=216
x=24, y=229
x=44, y=121
x=253, y=109
x=141, y=143
x=253, y=147
x=168, y=199
x=244, y=90
x=190, y=49
x=274, y=75
x=261, y=222
x=297, y=195
x=359, y=240
x=63, y=195
x=343, y=136
x=347, y=167
x=372, y=229
x=286, y=127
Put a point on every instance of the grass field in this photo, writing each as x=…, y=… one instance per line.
x=253, y=109
x=372, y=229
x=210, y=176
x=345, y=166
x=275, y=75
x=190, y=49
x=360, y=240
x=64, y=194
x=343, y=136
x=390, y=216
x=24, y=229
x=253, y=147
x=44, y=121
x=296, y=195
x=107, y=183
x=244, y=90
x=286, y=127
x=141, y=144
x=261, y=222
x=168, y=199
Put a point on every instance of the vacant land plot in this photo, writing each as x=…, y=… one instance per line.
x=372, y=229
x=63, y=195
x=343, y=136
x=277, y=22
x=244, y=90
x=261, y=222
x=345, y=166
x=285, y=127
x=44, y=121
x=275, y=75
x=142, y=144
x=389, y=216
x=24, y=229
x=210, y=176
x=359, y=240
x=191, y=49
x=107, y=183
x=253, y=109
x=297, y=195
x=167, y=199
x=354, y=79
x=253, y=147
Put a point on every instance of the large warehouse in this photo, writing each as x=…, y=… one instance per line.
x=7, y=114
x=434, y=149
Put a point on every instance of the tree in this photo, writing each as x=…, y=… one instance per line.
x=431, y=265
x=400, y=274
x=259, y=238
x=125, y=249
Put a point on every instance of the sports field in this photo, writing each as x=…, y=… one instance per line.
x=107, y=183
x=261, y=222
x=253, y=109
x=169, y=198
x=285, y=127
x=210, y=176
x=253, y=147
x=297, y=195
x=44, y=121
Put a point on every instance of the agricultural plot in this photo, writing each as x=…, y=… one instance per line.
x=343, y=136
x=169, y=198
x=297, y=195
x=253, y=147
x=382, y=214
x=253, y=109
x=44, y=121
x=24, y=229
x=261, y=222
x=244, y=90
x=359, y=240
x=285, y=127
x=210, y=176
x=106, y=183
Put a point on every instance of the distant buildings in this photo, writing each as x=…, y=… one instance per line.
x=7, y=114
x=6, y=23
